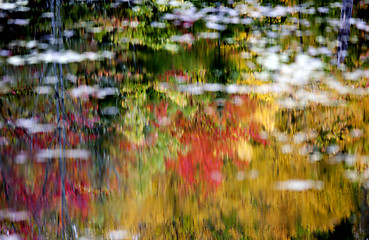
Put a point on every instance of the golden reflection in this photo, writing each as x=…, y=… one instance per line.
x=247, y=202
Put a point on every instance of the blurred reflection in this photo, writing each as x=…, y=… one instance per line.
x=183, y=119
x=344, y=33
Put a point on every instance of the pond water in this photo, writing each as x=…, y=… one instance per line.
x=157, y=119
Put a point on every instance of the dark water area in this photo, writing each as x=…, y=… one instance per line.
x=157, y=119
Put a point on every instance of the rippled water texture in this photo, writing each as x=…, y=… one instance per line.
x=157, y=119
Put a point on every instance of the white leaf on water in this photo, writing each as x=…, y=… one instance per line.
x=103, y=92
x=262, y=76
x=315, y=157
x=332, y=149
x=286, y=148
x=315, y=97
x=356, y=133
x=337, y=159
x=33, y=126
x=305, y=150
x=47, y=15
x=300, y=137
x=110, y=111
x=21, y=158
x=70, y=56
x=7, y=6
x=214, y=18
x=171, y=47
x=162, y=2
x=360, y=24
x=245, y=55
x=270, y=62
x=193, y=89
x=336, y=85
x=272, y=88
x=50, y=80
x=354, y=75
x=313, y=51
x=118, y=234
x=241, y=175
x=22, y=2
x=26, y=123
x=209, y=35
x=264, y=135
x=246, y=21
x=169, y=16
x=350, y=159
x=32, y=59
x=157, y=25
x=231, y=20
x=107, y=54
x=272, y=34
x=351, y=175
x=23, y=9
x=309, y=63
x=325, y=51
x=5, y=53
x=38, y=128
x=253, y=174
x=255, y=14
x=299, y=185
x=20, y=22
x=77, y=154
x=323, y=9
x=48, y=56
x=134, y=24
x=95, y=29
x=186, y=38
x=231, y=89
x=215, y=87
x=72, y=78
x=68, y=33
x=83, y=91
x=215, y=26
x=31, y=44
x=47, y=154
x=288, y=103
x=16, y=61
x=18, y=216
x=281, y=137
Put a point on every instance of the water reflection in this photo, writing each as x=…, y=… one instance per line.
x=167, y=119
x=344, y=33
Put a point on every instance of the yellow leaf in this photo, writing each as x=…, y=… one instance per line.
x=244, y=150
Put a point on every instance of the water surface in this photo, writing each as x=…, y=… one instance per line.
x=184, y=120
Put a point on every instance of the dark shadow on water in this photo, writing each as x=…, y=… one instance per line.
x=342, y=231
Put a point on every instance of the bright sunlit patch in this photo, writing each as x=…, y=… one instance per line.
x=299, y=185
x=47, y=154
x=245, y=151
x=118, y=235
